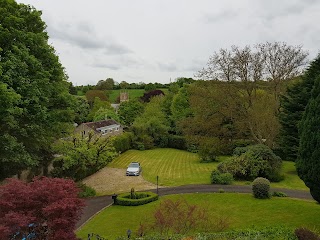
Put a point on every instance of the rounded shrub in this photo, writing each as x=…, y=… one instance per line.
x=261, y=188
x=141, y=198
x=221, y=178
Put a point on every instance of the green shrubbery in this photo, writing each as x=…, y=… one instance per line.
x=261, y=188
x=253, y=161
x=221, y=178
x=86, y=191
x=279, y=194
x=270, y=233
x=140, y=198
x=177, y=142
x=123, y=142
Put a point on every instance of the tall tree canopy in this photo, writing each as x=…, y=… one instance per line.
x=293, y=104
x=33, y=87
x=307, y=163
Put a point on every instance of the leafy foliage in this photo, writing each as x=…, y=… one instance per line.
x=293, y=105
x=44, y=202
x=221, y=178
x=129, y=110
x=151, y=128
x=180, y=217
x=261, y=188
x=86, y=191
x=35, y=102
x=82, y=156
x=307, y=163
x=279, y=194
x=253, y=161
x=123, y=142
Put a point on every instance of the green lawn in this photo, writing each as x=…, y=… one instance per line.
x=242, y=211
x=176, y=167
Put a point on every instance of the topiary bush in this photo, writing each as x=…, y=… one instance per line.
x=261, y=188
x=221, y=178
x=306, y=234
x=253, y=161
x=141, y=198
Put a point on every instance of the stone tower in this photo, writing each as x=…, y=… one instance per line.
x=124, y=96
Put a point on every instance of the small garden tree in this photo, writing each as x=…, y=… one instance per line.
x=50, y=205
x=82, y=156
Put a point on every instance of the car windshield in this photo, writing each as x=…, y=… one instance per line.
x=134, y=165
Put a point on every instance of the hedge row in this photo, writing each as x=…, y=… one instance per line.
x=142, y=198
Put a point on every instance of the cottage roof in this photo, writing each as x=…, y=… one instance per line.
x=100, y=124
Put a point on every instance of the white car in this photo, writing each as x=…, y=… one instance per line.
x=134, y=169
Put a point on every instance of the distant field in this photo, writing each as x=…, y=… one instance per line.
x=133, y=94
x=241, y=210
x=176, y=167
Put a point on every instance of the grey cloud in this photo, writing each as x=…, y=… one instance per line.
x=220, y=16
x=106, y=65
x=276, y=9
x=195, y=65
x=84, y=36
x=168, y=67
x=116, y=63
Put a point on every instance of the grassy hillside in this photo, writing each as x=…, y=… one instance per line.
x=242, y=211
x=176, y=167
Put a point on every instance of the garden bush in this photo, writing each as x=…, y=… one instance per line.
x=306, y=234
x=177, y=142
x=209, y=149
x=279, y=194
x=261, y=188
x=253, y=161
x=221, y=178
x=123, y=142
x=86, y=191
x=141, y=198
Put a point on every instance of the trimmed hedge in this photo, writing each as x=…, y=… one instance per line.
x=221, y=178
x=141, y=198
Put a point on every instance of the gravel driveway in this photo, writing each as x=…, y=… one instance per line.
x=114, y=180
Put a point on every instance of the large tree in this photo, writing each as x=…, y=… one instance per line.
x=307, y=163
x=34, y=87
x=129, y=110
x=151, y=127
x=45, y=208
x=292, y=106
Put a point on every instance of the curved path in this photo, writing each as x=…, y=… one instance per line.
x=96, y=204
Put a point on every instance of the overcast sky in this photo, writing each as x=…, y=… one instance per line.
x=158, y=40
